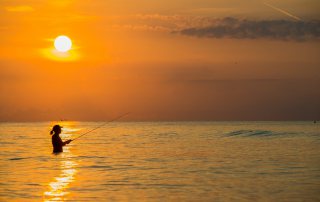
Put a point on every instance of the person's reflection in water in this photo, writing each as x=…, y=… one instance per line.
x=57, y=143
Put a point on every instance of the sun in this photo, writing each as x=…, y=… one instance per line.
x=63, y=43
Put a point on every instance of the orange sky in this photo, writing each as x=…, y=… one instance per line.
x=160, y=60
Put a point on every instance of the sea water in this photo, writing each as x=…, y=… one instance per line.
x=162, y=161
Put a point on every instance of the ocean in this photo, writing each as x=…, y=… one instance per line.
x=162, y=161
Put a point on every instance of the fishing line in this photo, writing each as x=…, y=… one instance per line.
x=119, y=117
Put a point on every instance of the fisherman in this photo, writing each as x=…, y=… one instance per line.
x=57, y=143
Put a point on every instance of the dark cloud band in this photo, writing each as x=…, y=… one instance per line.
x=248, y=29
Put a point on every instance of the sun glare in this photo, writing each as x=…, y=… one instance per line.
x=63, y=43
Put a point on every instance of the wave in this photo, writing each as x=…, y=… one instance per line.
x=18, y=158
x=258, y=133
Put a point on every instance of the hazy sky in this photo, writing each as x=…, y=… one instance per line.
x=160, y=60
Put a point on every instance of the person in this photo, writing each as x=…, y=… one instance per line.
x=57, y=143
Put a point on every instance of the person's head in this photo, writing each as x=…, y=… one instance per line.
x=56, y=130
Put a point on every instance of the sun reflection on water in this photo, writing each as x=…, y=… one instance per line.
x=58, y=187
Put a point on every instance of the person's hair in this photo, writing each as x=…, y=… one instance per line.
x=54, y=129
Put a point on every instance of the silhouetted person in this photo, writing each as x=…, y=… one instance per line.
x=57, y=143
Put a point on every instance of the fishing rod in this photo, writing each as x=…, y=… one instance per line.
x=119, y=117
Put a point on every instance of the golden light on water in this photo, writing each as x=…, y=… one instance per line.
x=58, y=186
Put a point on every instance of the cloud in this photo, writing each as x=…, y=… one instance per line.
x=229, y=27
x=154, y=28
x=19, y=8
x=174, y=22
x=249, y=29
x=157, y=22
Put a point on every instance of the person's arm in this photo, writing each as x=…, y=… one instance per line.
x=66, y=142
